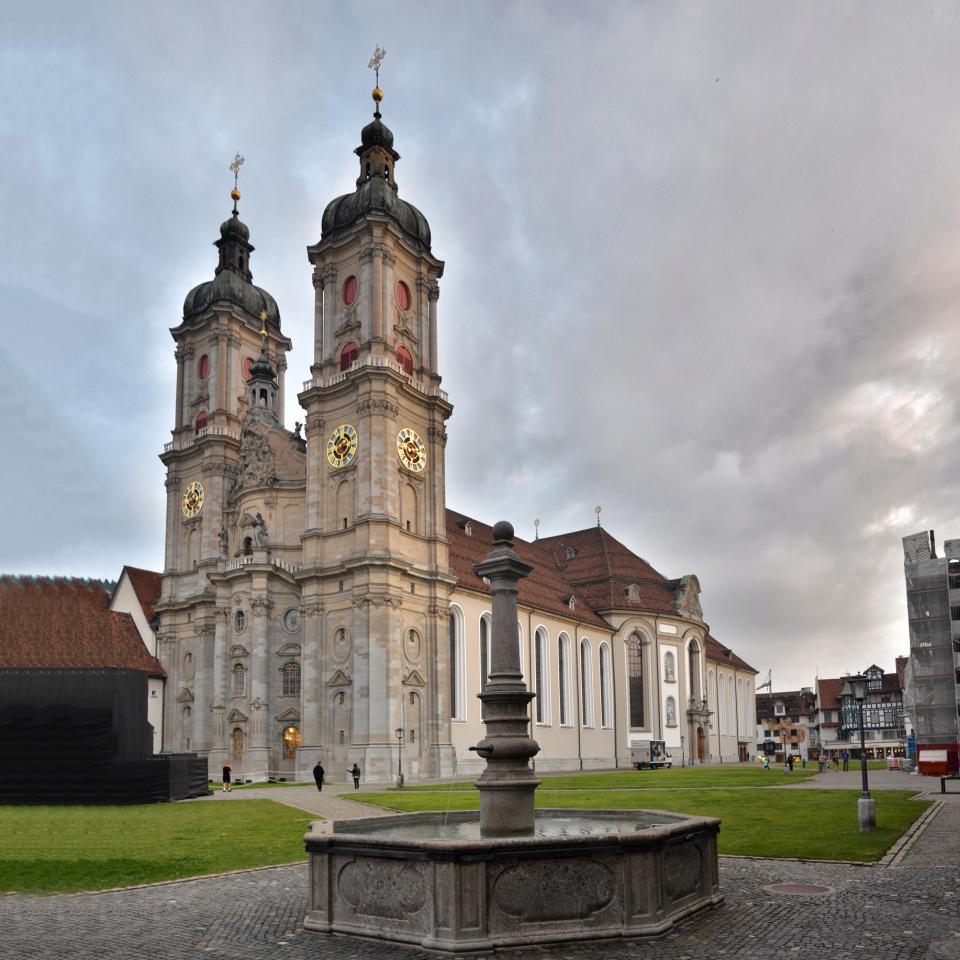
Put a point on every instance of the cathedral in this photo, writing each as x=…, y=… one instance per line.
x=318, y=597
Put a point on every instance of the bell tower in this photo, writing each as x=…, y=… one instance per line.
x=375, y=574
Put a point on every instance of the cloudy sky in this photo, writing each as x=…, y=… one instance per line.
x=702, y=269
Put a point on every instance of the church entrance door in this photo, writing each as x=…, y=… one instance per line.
x=701, y=747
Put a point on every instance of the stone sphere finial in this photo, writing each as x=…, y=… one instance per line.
x=503, y=532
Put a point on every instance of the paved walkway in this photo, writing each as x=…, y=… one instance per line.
x=910, y=911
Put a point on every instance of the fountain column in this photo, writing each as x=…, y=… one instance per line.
x=507, y=784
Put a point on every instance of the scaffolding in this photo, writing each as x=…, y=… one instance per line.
x=933, y=613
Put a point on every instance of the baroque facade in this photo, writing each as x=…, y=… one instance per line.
x=319, y=599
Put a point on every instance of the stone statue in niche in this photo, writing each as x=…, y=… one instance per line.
x=224, y=542
x=671, y=712
x=258, y=529
x=669, y=667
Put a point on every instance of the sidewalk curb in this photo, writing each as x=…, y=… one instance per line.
x=901, y=848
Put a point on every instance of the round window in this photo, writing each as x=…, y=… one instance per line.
x=350, y=290
x=247, y=364
x=403, y=295
x=292, y=620
x=203, y=367
x=239, y=621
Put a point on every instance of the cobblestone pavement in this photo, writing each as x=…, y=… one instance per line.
x=326, y=804
x=907, y=912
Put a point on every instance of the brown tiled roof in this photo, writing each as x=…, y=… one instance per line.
x=717, y=652
x=828, y=689
x=545, y=589
x=602, y=568
x=795, y=703
x=60, y=622
x=146, y=584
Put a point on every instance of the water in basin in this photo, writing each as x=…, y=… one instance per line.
x=547, y=826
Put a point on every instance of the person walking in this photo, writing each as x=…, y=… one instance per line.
x=227, y=777
x=766, y=764
x=846, y=760
x=790, y=761
x=355, y=773
x=318, y=775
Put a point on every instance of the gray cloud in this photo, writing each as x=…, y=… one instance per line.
x=701, y=269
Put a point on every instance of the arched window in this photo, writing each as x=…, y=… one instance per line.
x=671, y=711
x=693, y=658
x=721, y=705
x=239, y=619
x=348, y=355
x=291, y=679
x=239, y=680
x=586, y=684
x=203, y=367
x=669, y=667
x=541, y=674
x=405, y=360
x=563, y=678
x=711, y=699
x=237, y=743
x=457, y=698
x=187, y=727
x=731, y=706
x=606, y=687
x=635, y=679
x=291, y=740
x=201, y=421
x=484, y=651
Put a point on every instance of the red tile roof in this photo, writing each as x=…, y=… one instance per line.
x=60, y=622
x=829, y=689
x=545, y=588
x=146, y=585
x=717, y=652
x=602, y=568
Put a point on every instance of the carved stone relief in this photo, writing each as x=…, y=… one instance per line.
x=383, y=888
x=540, y=890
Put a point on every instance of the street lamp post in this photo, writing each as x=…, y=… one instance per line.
x=856, y=687
x=683, y=760
x=399, y=733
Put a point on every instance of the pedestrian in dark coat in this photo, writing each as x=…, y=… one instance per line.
x=227, y=776
x=355, y=773
x=318, y=776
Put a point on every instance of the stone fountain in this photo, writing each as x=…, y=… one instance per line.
x=509, y=877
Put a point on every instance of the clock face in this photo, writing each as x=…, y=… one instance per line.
x=192, y=501
x=410, y=449
x=342, y=446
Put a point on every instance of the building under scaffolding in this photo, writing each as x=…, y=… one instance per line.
x=933, y=611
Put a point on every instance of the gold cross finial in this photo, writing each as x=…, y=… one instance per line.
x=235, y=166
x=263, y=327
x=378, y=54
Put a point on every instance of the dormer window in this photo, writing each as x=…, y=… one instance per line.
x=571, y=553
x=572, y=601
x=779, y=710
x=468, y=528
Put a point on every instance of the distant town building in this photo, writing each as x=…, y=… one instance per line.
x=787, y=723
x=839, y=720
x=933, y=673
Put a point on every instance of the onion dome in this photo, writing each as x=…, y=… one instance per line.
x=376, y=188
x=232, y=282
x=262, y=368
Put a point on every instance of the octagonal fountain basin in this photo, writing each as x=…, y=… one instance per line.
x=434, y=881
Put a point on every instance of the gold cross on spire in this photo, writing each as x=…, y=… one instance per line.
x=235, y=166
x=263, y=325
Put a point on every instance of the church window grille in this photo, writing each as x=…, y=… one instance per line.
x=484, y=651
x=586, y=684
x=203, y=367
x=291, y=679
x=201, y=421
x=348, y=355
x=563, y=679
x=457, y=704
x=541, y=672
x=239, y=620
x=606, y=689
x=239, y=680
x=635, y=680
x=669, y=667
x=237, y=743
x=290, y=740
x=405, y=360
x=693, y=656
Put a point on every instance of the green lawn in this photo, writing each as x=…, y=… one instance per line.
x=681, y=777
x=808, y=824
x=62, y=849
